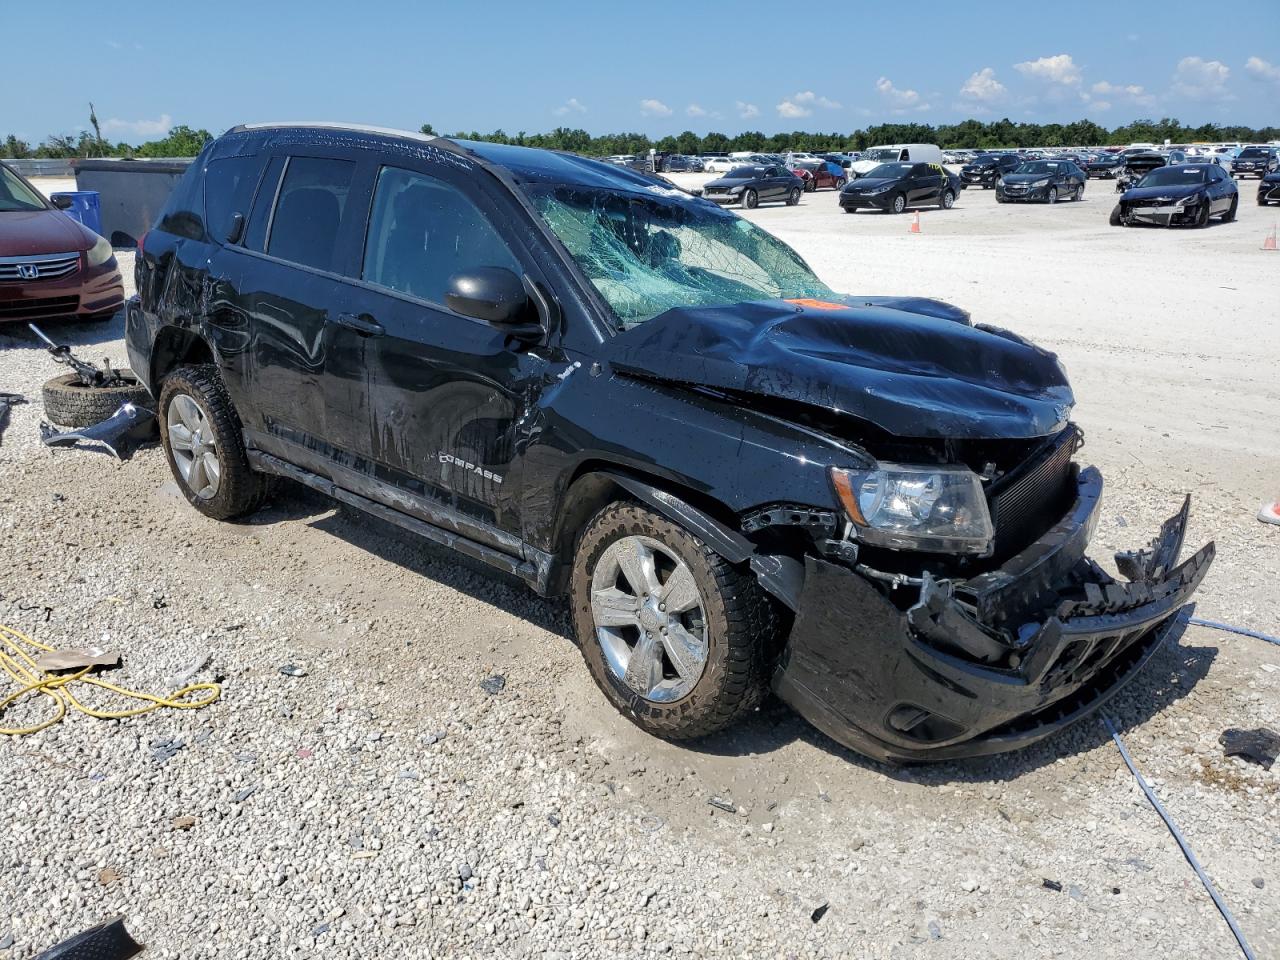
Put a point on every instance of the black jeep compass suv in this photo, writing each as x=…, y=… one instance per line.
x=615, y=390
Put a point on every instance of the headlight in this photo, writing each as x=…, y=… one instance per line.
x=881, y=189
x=734, y=190
x=1190, y=201
x=1041, y=183
x=937, y=509
x=99, y=253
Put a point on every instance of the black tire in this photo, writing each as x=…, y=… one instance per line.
x=811, y=185
x=851, y=209
x=899, y=203
x=1079, y=194
x=241, y=490
x=793, y=197
x=947, y=200
x=1231, y=210
x=1000, y=197
x=69, y=403
x=1202, y=217
x=990, y=184
x=1052, y=195
x=750, y=199
x=1116, y=220
x=840, y=182
x=1262, y=201
x=742, y=628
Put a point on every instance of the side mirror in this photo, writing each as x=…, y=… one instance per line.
x=494, y=295
x=61, y=201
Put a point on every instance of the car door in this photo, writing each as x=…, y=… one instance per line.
x=926, y=184
x=305, y=370
x=773, y=186
x=448, y=395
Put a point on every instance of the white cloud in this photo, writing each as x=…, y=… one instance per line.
x=983, y=86
x=746, y=110
x=801, y=104
x=1200, y=79
x=654, y=108
x=1101, y=105
x=143, y=128
x=1128, y=91
x=572, y=105
x=694, y=110
x=1261, y=69
x=901, y=100
x=1059, y=68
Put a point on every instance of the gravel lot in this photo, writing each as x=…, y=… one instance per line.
x=386, y=805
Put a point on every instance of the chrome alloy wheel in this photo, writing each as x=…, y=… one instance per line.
x=649, y=618
x=195, y=450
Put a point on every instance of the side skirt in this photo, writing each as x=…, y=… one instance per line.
x=535, y=573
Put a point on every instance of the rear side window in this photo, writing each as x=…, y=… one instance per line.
x=309, y=214
x=422, y=231
x=906, y=155
x=183, y=212
x=228, y=190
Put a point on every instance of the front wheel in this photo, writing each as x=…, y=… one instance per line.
x=899, y=203
x=204, y=444
x=1052, y=195
x=750, y=199
x=1202, y=215
x=674, y=636
x=948, y=200
x=1116, y=219
x=810, y=185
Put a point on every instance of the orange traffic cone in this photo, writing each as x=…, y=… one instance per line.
x=1270, y=513
x=915, y=228
x=1270, y=242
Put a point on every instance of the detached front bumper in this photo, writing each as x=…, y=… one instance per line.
x=990, y=664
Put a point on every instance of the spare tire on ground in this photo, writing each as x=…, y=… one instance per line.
x=69, y=403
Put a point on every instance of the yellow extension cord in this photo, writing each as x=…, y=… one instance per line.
x=21, y=666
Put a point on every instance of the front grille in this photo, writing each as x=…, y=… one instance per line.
x=1033, y=497
x=37, y=309
x=46, y=266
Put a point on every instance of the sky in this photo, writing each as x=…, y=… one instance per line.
x=656, y=68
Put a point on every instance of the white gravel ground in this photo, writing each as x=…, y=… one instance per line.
x=385, y=805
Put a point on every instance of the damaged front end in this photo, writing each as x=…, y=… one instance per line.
x=921, y=668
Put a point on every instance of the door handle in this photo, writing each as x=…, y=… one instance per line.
x=361, y=323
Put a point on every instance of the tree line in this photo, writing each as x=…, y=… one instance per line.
x=183, y=141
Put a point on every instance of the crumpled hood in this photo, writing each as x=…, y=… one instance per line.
x=913, y=367
x=1177, y=191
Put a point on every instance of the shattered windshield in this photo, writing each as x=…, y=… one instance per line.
x=1174, y=176
x=646, y=255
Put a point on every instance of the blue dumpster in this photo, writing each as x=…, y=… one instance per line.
x=86, y=206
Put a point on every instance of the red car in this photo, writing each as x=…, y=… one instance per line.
x=51, y=267
x=816, y=174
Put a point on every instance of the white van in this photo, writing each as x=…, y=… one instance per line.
x=895, y=153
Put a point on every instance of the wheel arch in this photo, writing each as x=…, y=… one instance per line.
x=174, y=347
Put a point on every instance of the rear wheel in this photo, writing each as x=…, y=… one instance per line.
x=899, y=203
x=793, y=197
x=811, y=185
x=204, y=443
x=948, y=200
x=675, y=637
x=1231, y=210
x=750, y=199
x=1079, y=194
x=840, y=182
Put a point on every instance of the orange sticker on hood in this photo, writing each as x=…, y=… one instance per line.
x=819, y=304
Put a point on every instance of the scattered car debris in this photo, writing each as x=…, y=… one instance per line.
x=107, y=941
x=121, y=433
x=720, y=803
x=1260, y=745
x=108, y=876
x=87, y=394
x=185, y=822
x=56, y=660
x=1053, y=885
x=162, y=751
x=293, y=670
x=1267, y=513
x=493, y=685
x=1259, y=882
x=935, y=931
x=819, y=910
x=244, y=794
x=8, y=400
